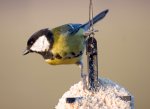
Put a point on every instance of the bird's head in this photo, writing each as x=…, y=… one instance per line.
x=40, y=42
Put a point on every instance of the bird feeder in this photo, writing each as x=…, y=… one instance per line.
x=100, y=93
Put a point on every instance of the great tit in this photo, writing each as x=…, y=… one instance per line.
x=64, y=44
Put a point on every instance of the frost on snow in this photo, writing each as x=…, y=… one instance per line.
x=106, y=98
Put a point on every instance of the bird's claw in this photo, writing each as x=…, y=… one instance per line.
x=89, y=32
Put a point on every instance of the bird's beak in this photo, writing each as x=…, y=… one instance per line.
x=26, y=52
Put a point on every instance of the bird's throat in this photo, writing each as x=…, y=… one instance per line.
x=46, y=55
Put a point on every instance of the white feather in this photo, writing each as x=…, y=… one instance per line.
x=41, y=44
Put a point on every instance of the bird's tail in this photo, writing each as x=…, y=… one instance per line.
x=97, y=18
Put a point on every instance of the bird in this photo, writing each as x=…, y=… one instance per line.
x=64, y=44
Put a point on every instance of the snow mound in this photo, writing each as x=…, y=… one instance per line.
x=108, y=97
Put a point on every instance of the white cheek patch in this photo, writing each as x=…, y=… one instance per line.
x=41, y=44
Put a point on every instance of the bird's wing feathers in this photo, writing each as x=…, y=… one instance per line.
x=73, y=28
x=67, y=28
x=97, y=18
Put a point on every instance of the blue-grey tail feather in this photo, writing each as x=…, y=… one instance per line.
x=97, y=18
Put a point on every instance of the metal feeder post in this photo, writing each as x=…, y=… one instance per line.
x=92, y=63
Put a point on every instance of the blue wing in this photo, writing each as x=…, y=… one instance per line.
x=97, y=18
x=73, y=28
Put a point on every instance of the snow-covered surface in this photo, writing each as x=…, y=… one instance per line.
x=106, y=98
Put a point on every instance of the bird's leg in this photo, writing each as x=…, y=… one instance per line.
x=83, y=75
x=80, y=64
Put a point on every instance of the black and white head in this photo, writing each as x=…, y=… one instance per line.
x=40, y=42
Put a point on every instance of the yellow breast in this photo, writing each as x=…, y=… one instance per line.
x=67, y=46
x=63, y=61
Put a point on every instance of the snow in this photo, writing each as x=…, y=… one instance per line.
x=106, y=98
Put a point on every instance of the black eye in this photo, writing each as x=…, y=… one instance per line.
x=30, y=42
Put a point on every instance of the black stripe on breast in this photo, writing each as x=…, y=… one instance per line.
x=79, y=54
x=58, y=56
x=49, y=55
x=46, y=55
x=74, y=55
